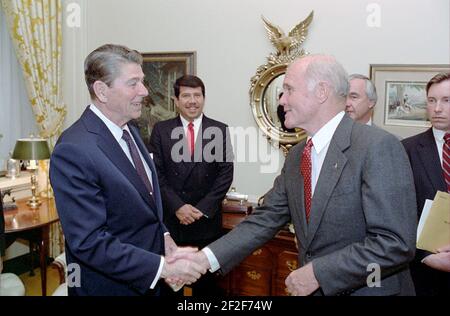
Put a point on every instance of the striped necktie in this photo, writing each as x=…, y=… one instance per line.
x=446, y=160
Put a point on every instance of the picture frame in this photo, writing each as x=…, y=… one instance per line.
x=161, y=69
x=401, y=105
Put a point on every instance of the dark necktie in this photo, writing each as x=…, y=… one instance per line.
x=446, y=160
x=191, y=139
x=137, y=160
x=305, y=170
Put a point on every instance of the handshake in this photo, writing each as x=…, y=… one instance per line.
x=183, y=265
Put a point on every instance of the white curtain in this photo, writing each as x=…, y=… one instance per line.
x=16, y=116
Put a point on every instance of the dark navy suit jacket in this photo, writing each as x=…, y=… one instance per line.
x=202, y=183
x=428, y=179
x=112, y=226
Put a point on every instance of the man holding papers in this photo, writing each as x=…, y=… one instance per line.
x=429, y=154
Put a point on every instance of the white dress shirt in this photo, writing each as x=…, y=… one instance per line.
x=117, y=132
x=197, y=123
x=321, y=141
x=439, y=139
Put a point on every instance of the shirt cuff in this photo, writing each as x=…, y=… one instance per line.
x=213, y=262
x=166, y=233
x=158, y=274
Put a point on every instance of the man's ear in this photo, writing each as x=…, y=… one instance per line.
x=175, y=100
x=371, y=104
x=322, y=91
x=100, y=89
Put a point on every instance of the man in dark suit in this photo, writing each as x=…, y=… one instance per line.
x=343, y=189
x=193, y=157
x=430, y=162
x=106, y=188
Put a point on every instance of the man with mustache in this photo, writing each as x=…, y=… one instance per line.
x=193, y=156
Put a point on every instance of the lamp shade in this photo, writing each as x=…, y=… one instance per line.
x=31, y=149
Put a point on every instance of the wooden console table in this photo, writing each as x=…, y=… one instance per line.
x=24, y=221
x=263, y=272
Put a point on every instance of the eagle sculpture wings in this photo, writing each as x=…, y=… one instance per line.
x=284, y=44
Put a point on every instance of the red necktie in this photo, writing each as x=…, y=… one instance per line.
x=191, y=139
x=446, y=160
x=305, y=171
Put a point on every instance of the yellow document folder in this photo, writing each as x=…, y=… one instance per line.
x=436, y=230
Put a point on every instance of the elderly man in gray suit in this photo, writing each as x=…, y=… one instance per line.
x=348, y=190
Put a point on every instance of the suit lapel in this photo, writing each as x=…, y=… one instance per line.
x=111, y=148
x=185, y=166
x=156, y=197
x=429, y=157
x=330, y=173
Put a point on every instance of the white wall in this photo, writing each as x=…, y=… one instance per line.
x=231, y=43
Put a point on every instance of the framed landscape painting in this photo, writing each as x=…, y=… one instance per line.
x=161, y=70
x=401, y=106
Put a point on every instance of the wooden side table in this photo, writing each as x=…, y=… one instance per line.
x=26, y=221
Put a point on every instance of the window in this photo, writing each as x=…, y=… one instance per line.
x=16, y=116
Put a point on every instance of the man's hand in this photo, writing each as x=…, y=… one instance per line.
x=302, y=282
x=440, y=260
x=169, y=245
x=187, y=214
x=182, y=270
x=177, y=283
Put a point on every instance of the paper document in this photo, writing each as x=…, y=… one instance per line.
x=423, y=217
x=433, y=230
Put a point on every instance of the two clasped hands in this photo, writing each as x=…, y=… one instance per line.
x=188, y=214
x=183, y=265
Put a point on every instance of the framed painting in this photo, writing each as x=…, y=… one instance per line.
x=402, y=105
x=161, y=70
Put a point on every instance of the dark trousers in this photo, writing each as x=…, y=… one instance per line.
x=428, y=281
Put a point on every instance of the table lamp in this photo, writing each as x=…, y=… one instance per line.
x=32, y=149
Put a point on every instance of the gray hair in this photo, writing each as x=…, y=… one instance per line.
x=104, y=64
x=371, y=91
x=330, y=70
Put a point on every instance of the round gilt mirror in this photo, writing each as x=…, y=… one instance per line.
x=267, y=83
x=269, y=115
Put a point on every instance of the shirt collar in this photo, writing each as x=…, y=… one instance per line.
x=196, y=122
x=115, y=130
x=438, y=135
x=325, y=133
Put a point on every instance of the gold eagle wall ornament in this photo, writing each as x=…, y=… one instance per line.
x=266, y=84
x=287, y=44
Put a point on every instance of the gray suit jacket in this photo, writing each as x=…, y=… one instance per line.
x=363, y=211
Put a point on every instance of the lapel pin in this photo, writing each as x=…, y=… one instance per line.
x=335, y=165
